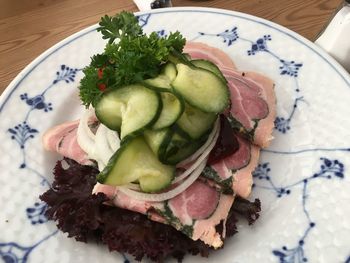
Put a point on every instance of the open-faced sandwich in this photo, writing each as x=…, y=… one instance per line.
x=160, y=163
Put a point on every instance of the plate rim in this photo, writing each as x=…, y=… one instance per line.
x=16, y=83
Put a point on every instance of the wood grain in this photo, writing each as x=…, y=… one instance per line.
x=29, y=27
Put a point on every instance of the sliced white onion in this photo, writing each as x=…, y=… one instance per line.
x=100, y=164
x=113, y=140
x=102, y=147
x=205, y=152
x=133, y=186
x=168, y=195
x=90, y=113
x=203, y=147
x=86, y=139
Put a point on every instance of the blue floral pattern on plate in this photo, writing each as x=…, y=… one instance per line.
x=329, y=169
x=21, y=132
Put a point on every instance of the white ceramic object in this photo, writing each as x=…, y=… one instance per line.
x=336, y=37
x=143, y=5
x=303, y=179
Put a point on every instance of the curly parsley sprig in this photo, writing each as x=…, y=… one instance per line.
x=130, y=56
x=119, y=27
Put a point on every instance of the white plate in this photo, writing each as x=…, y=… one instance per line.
x=303, y=180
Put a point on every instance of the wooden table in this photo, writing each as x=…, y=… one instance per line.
x=29, y=27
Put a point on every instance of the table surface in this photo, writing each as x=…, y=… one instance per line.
x=29, y=27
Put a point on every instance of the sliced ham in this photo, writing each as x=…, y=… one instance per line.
x=263, y=132
x=119, y=199
x=236, y=170
x=247, y=105
x=198, y=50
x=205, y=229
x=253, y=107
x=240, y=158
x=63, y=140
x=196, y=211
x=225, y=168
x=197, y=202
x=243, y=178
x=201, y=207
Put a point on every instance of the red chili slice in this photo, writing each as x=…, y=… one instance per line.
x=100, y=73
x=101, y=86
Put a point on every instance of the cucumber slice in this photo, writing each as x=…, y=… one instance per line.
x=142, y=110
x=195, y=122
x=171, y=146
x=169, y=70
x=157, y=140
x=135, y=161
x=159, y=83
x=163, y=81
x=108, y=111
x=177, y=57
x=175, y=143
x=201, y=88
x=183, y=153
x=208, y=65
x=171, y=110
x=136, y=106
x=178, y=148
